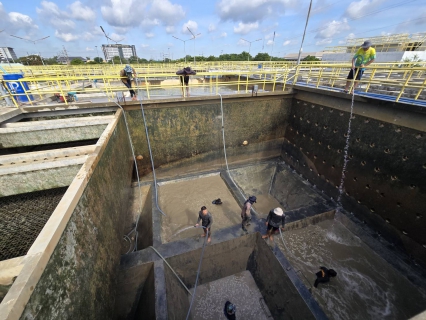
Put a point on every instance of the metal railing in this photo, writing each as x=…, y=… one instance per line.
x=102, y=83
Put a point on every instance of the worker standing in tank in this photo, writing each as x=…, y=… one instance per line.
x=206, y=219
x=246, y=212
x=273, y=221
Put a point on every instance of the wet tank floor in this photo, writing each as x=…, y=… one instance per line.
x=240, y=289
x=181, y=201
x=366, y=287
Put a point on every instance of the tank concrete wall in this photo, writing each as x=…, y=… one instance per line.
x=189, y=133
x=79, y=281
x=385, y=180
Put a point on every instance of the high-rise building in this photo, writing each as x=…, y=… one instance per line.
x=7, y=53
x=122, y=50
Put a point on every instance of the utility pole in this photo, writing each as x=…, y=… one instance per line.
x=304, y=32
x=193, y=35
x=248, y=57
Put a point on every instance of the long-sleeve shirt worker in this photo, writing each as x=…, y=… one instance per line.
x=207, y=219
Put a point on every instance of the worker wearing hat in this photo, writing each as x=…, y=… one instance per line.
x=273, y=221
x=245, y=212
x=362, y=58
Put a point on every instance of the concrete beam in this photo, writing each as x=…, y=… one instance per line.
x=8, y=113
x=30, y=177
x=52, y=131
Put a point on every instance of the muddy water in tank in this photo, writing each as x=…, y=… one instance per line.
x=366, y=287
x=181, y=201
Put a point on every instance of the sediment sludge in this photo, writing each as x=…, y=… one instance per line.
x=116, y=248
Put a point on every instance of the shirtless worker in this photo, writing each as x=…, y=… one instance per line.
x=245, y=212
x=206, y=221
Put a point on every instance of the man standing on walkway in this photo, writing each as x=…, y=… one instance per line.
x=127, y=74
x=245, y=213
x=206, y=221
x=362, y=58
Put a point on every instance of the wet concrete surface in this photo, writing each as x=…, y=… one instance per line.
x=181, y=201
x=366, y=287
x=240, y=289
x=274, y=185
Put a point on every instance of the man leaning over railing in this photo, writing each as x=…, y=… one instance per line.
x=362, y=58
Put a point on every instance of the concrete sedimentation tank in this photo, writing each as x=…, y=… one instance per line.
x=82, y=238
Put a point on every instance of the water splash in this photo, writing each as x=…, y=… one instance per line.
x=345, y=158
x=182, y=230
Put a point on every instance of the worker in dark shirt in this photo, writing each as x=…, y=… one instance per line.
x=230, y=311
x=273, y=221
x=206, y=221
x=324, y=275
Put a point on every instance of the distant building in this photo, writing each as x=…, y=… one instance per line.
x=389, y=48
x=122, y=50
x=294, y=56
x=67, y=60
x=7, y=53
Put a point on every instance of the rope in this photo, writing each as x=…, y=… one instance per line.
x=171, y=269
x=198, y=274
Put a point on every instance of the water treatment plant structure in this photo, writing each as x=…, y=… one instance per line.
x=82, y=238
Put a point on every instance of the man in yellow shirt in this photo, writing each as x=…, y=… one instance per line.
x=362, y=58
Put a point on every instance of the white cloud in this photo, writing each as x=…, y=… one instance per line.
x=332, y=28
x=62, y=24
x=191, y=25
x=223, y=35
x=124, y=13
x=323, y=41
x=359, y=8
x=271, y=35
x=117, y=37
x=244, y=28
x=80, y=12
x=67, y=37
x=170, y=29
x=89, y=49
x=143, y=45
x=254, y=10
x=149, y=35
x=286, y=43
x=21, y=21
x=167, y=12
x=212, y=27
x=349, y=36
x=269, y=43
x=242, y=43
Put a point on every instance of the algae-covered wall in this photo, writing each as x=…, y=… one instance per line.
x=385, y=183
x=189, y=133
x=79, y=281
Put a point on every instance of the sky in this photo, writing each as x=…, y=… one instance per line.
x=219, y=25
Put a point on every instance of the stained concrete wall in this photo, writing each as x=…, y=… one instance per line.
x=145, y=227
x=281, y=296
x=189, y=133
x=135, y=293
x=385, y=183
x=79, y=281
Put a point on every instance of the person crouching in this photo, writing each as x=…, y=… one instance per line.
x=275, y=217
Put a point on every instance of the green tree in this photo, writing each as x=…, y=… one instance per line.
x=31, y=60
x=262, y=57
x=98, y=60
x=411, y=62
x=76, y=62
x=133, y=59
x=51, y=61
x=310, y=58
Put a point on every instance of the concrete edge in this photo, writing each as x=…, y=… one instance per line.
x=30, y=167
x=39, y=254
x=9, y=114
x=46, y=154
